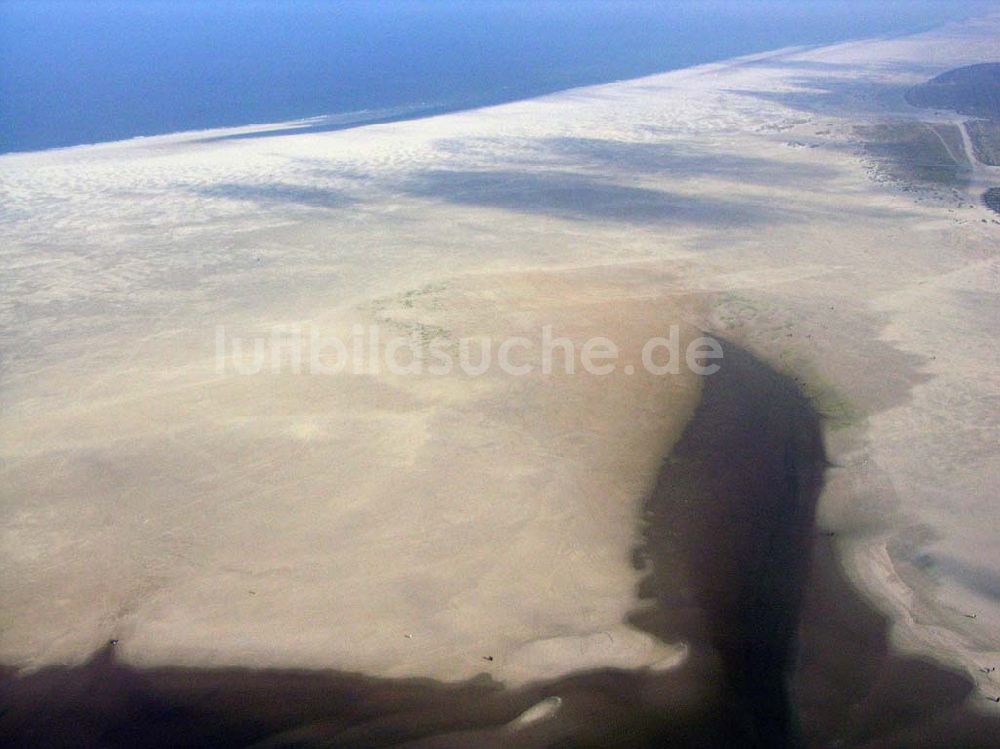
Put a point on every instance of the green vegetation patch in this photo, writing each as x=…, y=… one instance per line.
x=837, y=411
x=917, y=153
x=985, y=137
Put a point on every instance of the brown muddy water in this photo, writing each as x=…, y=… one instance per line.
x=783, y=653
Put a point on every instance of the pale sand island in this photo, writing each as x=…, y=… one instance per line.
x=443, y=527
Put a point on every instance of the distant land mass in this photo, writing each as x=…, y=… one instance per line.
x=973, y=90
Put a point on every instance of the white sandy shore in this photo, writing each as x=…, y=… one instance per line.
x=417, y=524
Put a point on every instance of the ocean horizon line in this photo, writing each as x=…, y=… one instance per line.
x=350, y=119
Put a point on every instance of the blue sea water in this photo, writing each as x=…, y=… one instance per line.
x=86, y=71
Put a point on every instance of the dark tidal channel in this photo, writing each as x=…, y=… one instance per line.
x=783, y=653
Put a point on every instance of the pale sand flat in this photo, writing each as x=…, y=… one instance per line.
x=413, y=525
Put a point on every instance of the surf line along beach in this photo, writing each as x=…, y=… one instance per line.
x=727, y=535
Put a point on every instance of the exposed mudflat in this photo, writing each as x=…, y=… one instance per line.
x=779, y=650
x=212, y=515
